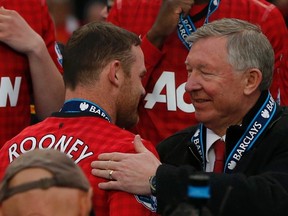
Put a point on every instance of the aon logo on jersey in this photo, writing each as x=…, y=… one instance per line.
x=174, y=98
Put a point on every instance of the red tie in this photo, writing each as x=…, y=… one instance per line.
x=219, y=149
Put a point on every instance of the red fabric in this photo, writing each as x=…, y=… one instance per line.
x=219, y=149
x=14, y=68
x=80, y=136
x=169, y=110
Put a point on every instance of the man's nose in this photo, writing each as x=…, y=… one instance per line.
x=193, y=82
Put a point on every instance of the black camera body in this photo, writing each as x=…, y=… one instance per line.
x=198, y=194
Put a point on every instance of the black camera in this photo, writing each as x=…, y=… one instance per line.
x=198, y=194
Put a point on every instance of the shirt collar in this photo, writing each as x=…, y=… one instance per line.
x=211, y=137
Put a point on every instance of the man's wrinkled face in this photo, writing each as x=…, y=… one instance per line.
x=215, y=87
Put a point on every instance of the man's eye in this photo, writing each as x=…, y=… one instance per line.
x=205, y=73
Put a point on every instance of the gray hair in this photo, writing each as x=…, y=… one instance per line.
x=247, y=46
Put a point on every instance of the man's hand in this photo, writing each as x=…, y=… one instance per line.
x=167, y=20
x=16, y=33
x=131, y=172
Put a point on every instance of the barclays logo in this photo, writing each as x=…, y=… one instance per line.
x=232, y=165
x=84, y=106
x=265, y=114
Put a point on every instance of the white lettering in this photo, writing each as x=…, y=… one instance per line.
x=252, y=134
x=181, y=104
x=257, y=125
x=83, y=154
x=74, y=147
x=240, y=152
x=7, y=90
x=167, y=82
x=236, y=157
x=243, y=146
x=95, y=110
x=31, y=140
x=247, y=140
x=182, y=31
x=52, y=142
x=76, y=150
x=12, y=152
x=61, y=143
x=270, y=105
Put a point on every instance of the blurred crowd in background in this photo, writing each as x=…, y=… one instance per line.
x=68, y=15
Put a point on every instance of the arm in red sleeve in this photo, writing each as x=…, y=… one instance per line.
x=275, y=29
x=152, y=57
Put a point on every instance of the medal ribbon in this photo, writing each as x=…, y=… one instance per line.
x=248, y=139
x=79, y=105
x=186, y=26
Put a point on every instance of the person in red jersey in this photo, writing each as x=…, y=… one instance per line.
x=103, y=68
x=166, y=108
x=30, y=66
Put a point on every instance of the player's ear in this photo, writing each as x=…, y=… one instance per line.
x=86, y=202
x=253, y=78
x=115, y=72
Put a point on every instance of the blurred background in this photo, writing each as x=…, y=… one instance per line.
x=68, y=15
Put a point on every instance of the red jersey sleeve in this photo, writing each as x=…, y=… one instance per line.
x=49, y=37
x=118, y=202
x=276, y=30
x=152, y=57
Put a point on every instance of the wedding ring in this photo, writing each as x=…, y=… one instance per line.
x=110, y=174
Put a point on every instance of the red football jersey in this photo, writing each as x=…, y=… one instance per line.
x=166, y=108
x=15, y=80
x=83, y=138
